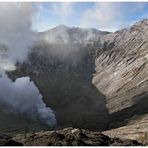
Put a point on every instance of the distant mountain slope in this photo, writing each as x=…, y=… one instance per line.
x=71, y=35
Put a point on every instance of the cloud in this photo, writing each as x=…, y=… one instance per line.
x=138, y=6
x=111, y=16
x=52, y=14
x=63, y=9
x=104, y=15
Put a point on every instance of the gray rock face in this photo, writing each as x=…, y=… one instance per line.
x=121, y=68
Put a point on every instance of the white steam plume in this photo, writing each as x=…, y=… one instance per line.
x=24, y=97
x=15, y=29
x=15, y=36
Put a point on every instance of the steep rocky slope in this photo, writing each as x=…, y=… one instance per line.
x=121, y=75
x=121, y=70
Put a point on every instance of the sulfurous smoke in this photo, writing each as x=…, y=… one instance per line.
x=15, y=33
x=15, y=37
x=15, y=29
x=24, y=97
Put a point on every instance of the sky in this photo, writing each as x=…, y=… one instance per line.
x=109, y=16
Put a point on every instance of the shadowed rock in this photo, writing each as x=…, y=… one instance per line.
x=6, y=140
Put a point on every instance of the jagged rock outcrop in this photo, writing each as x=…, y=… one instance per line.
x=71, y=137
